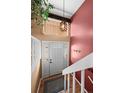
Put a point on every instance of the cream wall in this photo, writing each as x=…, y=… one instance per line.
x=49, y=31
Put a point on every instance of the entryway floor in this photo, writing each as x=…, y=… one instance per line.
x=47, y=82
x=55, y=77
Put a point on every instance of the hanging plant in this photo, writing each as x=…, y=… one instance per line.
x=40, y=10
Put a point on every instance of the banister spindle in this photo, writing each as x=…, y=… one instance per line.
x=74, y=82
x=68, y=83
x=65, y=83
x=90, y=79
x=82, y=81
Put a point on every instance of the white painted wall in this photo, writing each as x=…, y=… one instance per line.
x=35, y=52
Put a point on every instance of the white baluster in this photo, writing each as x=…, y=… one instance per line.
x=65, y=83
x=85, y=90
x=74, y=82
x=68, y=83
x=82, y=81
x=90, y=79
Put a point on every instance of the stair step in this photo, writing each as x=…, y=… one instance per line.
x=62, y=91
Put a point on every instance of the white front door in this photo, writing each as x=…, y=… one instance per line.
x=54, y=58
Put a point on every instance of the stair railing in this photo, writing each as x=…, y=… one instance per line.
x=81, y=65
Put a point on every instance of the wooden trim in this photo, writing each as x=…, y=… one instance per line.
x=59, y=17
x=39, y=86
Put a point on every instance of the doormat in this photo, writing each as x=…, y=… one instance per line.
x=54, y=85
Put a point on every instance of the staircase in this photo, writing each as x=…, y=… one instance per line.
x=81, y=65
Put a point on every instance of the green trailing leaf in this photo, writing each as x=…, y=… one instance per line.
x=40, y=8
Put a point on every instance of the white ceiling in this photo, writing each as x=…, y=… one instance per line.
x=71, y=6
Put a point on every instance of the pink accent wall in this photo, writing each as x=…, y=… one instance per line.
x=82, y=31
x=82, y=35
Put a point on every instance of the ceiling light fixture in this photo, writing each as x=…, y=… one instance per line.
x=63, y=23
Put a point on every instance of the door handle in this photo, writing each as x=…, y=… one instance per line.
x=50, y=60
